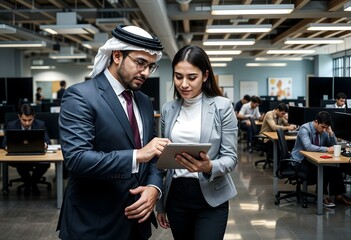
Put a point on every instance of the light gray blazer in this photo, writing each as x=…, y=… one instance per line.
x=219, y=127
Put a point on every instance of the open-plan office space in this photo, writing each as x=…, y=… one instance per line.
x=253, y=213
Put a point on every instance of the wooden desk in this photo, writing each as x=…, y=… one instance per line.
x=273, y=136
x=315, y=158
x=56, y=158
x=258, y=123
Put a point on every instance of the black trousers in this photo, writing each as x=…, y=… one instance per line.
x=31, y=172
x=190, y=216
x=249, y=133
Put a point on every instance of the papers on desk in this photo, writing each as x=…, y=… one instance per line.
x=54, y=147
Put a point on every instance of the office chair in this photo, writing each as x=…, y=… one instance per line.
x=288, y=169
x=259, y=145
x=42, y=181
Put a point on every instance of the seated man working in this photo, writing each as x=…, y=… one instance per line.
x=275, y=119
x=317, y=136
x=26, y=121
x=250, y=109
x=340, y=100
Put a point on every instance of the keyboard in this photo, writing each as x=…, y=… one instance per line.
x=346, y=154
x=291, y=133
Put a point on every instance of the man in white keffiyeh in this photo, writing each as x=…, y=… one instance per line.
x=109, y=143
x=102, y=59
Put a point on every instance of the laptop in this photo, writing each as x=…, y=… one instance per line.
x=25, y=142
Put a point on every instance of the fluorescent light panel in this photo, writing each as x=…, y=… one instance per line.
x=266, y=64
x=329, y=27
x=252, y=9
x=278, y=59
x=239, y=28
x=218, y=64
x=223, y=52
x=67, y=24
x=229, y=42
x=19, y=44
x=221, y=59
x=313, y=41
x=5, y=29
x=291, y=51
x=70, y=29
x=70, y=56
x=67, y=53
x=347, y=6
x=43, y=67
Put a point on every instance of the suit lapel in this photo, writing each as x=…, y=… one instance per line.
x=172, y=116
x=112, y=100
x=207, y=118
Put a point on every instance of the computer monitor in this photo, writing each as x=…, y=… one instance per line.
x=296, y=115
x=5, y=109
x=342, y=126
x=330, y=103
x=311, y=112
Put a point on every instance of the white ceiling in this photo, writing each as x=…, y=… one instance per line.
x=175, y=23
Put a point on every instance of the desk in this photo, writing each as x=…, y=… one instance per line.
x=314, y=157
x=56, y=158
x=273, y=136
x=258, y=123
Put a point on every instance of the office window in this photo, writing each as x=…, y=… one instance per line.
x=338, y=67
x=348, y=66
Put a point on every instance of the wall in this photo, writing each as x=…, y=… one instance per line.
x=297, y=70
x=323, y=65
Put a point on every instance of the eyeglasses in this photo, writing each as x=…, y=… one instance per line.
x=141, y=65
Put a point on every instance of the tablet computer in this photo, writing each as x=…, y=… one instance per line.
x=166, y=159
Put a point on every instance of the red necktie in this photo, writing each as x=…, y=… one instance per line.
x=133, y=123
x=316, y=141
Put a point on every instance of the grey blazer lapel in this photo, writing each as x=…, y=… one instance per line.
x=171, y=117
x=207, y=118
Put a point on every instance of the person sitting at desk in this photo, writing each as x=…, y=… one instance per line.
x=26, y=121
x=340, y=100
x=273, y=120
x=240, y=103
x=250, y=109
x=317, y=136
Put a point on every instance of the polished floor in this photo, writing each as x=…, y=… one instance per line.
x=252, y=216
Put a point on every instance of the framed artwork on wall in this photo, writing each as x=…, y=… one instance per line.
x=280, y=87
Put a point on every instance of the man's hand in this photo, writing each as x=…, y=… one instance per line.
x=142, y=208
x=162, y=220
x=152, y=149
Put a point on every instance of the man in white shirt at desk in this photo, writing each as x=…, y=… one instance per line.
x=340, y=100
x=250, y=109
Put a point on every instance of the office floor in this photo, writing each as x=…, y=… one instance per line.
x=252, y=215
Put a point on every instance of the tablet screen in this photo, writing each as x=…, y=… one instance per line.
x=166, y=159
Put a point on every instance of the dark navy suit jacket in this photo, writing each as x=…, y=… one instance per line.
x=97, y=144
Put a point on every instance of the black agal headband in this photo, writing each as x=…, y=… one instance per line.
x=137, y=40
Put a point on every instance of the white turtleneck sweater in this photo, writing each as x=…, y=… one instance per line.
x=187, y=128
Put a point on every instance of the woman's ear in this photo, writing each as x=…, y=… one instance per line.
x=205, y=76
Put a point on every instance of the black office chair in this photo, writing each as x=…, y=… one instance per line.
x=258, y=144
x=289, y=169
